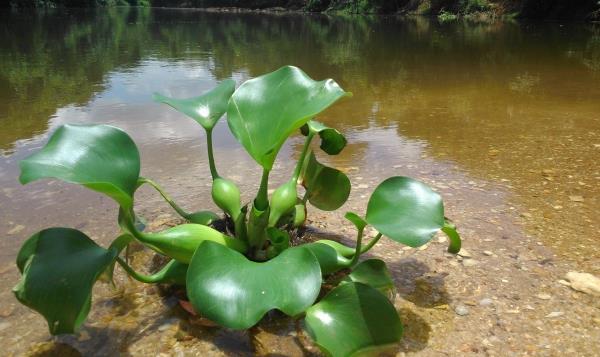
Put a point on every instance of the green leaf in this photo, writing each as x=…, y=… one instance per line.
x=406, y=210
x=332, y=141
x=326, y=188
x=100, y=157
x=357, y=220
x=60, y=267
x=354, y=319
x=372, y=272
x=265, y=110
x=235, y=292
x=205, y=109
x=330, y=259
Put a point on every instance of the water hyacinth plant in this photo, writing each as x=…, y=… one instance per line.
x=236, y=275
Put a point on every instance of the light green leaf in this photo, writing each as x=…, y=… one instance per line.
x=406, y=210
x=264, y=111
x=205, y=109
x=59, y=267
x=204, y=218
x=100, y=157
x=332, y=141
x=226, y=287
x=180, y=242
x=326, y=188
x=354, y=319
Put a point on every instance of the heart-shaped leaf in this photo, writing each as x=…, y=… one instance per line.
x=332, y=141
x=326, y=188
x=205, y=109
x=354, y=319
x=100, y=157
x=406, y=210
x=235, y=292
x=60, y=267
x=265, y=110
x=372, y=272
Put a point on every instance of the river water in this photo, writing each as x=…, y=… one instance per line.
x=502, y=112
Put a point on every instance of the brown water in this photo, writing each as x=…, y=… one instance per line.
x=501, y=114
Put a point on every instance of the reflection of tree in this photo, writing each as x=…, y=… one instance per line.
x=394, y=66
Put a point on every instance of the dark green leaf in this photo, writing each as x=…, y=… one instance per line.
x=229, y=289
x=100, y=157
x=60, y=267
x=205, y=109
x=354, y=319
x=326, y=188
x=265, y=110
x=372, y=272
x=332, y=141
x=406, y=210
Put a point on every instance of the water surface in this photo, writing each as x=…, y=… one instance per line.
x=508, y=109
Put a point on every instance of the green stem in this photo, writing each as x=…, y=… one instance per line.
x=211, y=157
x=129, y=222
x=262, y=200
x=167, y=198
x=305, y=149
x=358, y=247
x=370, y=245
x=134, y=274
x=453, y=237
x=148, y=279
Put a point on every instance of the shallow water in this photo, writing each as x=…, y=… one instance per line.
x=503, y=112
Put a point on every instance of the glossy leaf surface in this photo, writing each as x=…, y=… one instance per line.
x=265, y=110
x=205, y=109
x=332, y=141
x=180, y=242
x=59, y=268
x=226, y=287
x=406, y=210
x=354, y=319
x=372, y=272
x=100, y=157
x=326, y=188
